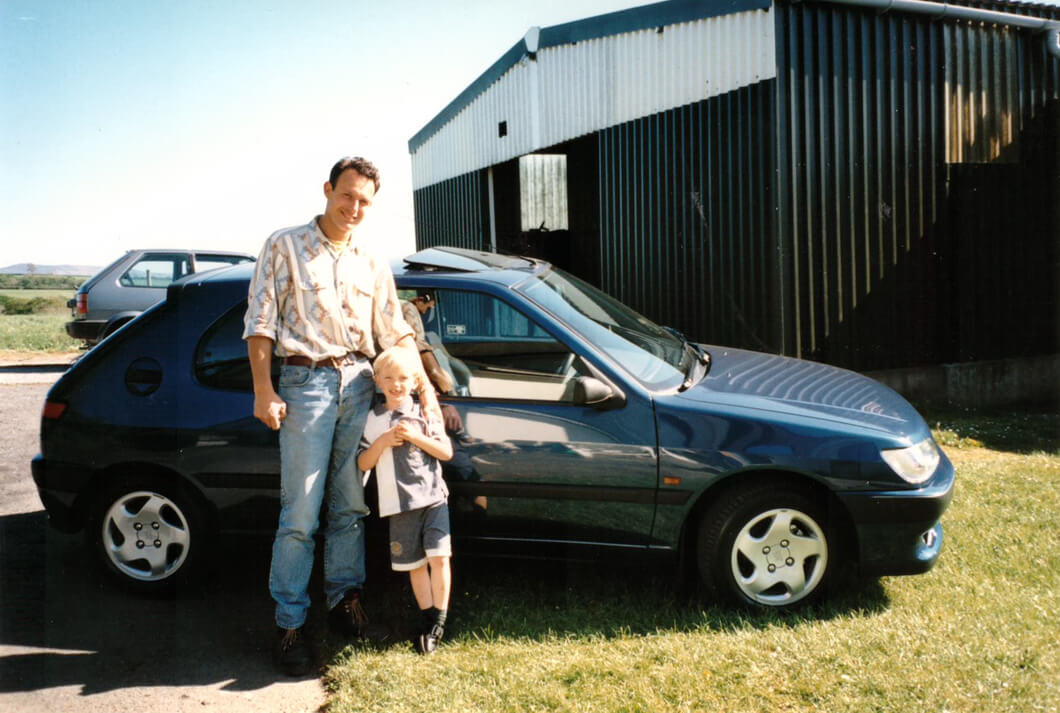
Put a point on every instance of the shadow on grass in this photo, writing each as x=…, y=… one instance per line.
x=538, y=600
x=1014, y=432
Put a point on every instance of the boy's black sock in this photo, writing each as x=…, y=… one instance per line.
x=434, y=617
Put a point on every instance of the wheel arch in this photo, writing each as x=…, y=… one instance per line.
x=118, y=321
x=839, y=519
x=105, y=479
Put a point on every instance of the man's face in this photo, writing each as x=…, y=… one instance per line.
x=347, y=200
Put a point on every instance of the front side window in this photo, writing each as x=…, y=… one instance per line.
x=156, y=270
x=494, y=351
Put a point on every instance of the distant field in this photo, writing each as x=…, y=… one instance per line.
x=27, y=294
x=46, y=282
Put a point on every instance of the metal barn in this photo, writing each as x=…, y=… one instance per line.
x=869, y=183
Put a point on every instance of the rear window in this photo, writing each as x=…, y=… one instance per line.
x=206, y=261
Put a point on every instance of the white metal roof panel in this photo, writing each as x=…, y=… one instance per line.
x=580, y=80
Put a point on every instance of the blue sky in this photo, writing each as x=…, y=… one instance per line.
x=126, y=123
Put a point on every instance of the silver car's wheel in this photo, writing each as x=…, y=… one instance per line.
x=146, y=535
x=765, y=546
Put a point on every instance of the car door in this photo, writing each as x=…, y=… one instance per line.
x=529, y=464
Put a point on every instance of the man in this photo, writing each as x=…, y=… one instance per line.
x=412, y=310
x=322, y=304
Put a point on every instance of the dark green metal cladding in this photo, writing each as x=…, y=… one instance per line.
x=686, y=218
x=453, y=212
x=914, y=185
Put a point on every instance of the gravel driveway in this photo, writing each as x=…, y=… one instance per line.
x=72, y=641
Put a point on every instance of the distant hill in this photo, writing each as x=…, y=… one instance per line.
x=26, y=268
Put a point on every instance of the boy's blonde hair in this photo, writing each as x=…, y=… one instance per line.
x=396, y=356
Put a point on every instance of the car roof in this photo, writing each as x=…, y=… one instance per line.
x=195, y=251
x=434, y=261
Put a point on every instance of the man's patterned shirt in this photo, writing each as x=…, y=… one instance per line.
x=315, y=301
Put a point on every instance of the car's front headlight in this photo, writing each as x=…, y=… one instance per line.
x=915, y=463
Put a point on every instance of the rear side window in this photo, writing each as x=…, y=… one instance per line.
x=221, y=360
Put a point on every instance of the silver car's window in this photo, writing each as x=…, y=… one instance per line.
x=156, y=271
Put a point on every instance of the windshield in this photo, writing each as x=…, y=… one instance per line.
x=651, y=354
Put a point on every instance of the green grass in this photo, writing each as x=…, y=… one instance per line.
x=33, y=320
x=977, y=633
x=36, y=332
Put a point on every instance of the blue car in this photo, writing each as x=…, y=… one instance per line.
x=580, y=429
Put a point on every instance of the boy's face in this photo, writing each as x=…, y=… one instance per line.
x=396, y=382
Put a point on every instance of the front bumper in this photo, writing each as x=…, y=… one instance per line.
x=899, y=531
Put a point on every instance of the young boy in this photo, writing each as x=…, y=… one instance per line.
x=405, y=445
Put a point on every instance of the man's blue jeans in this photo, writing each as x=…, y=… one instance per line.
x=326, y=411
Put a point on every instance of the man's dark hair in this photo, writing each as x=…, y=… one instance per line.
x=361, y=165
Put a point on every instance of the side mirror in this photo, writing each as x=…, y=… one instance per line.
x=589, y=391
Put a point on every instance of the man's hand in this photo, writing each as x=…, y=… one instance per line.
x=270, y=409
x=452, y=419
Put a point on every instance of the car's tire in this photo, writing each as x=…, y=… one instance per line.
x=151, y=536
x=766, y=546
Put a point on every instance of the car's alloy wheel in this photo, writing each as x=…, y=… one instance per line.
x=147, y=536
x=765, y=546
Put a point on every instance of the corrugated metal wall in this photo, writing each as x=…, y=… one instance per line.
x=891, y=199
x=686, y=217
x=453, y=212
x=874, y=113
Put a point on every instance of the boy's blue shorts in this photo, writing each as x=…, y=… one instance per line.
x=417, y=535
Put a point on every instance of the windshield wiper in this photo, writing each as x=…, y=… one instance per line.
x=698, y=363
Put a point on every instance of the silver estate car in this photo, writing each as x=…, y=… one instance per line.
x=134, y=282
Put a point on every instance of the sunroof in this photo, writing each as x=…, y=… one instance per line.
x=463, y=260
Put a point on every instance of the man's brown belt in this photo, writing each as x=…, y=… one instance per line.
x=330, y=362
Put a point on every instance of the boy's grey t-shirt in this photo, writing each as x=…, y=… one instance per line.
x=407, y=477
